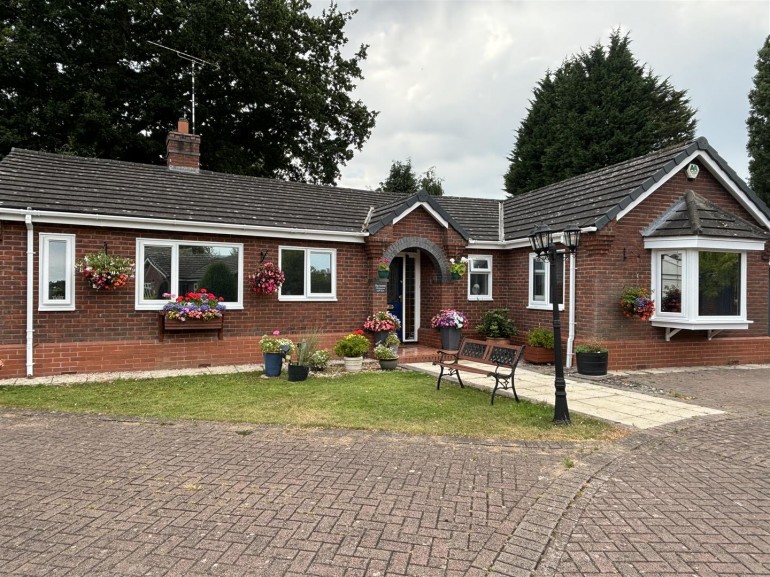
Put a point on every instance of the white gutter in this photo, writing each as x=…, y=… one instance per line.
x=30, y=292
x=175, y=225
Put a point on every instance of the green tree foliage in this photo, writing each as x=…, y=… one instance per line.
x=758, y=125
x=599, y=108
x=82, y=77
x=219, y=280
x=402, y=178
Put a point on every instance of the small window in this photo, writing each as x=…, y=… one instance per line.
x=671, y=270
x=540, y=283
x=177, y=267
x=479, y=278
x=57, y=272
x=309, y=273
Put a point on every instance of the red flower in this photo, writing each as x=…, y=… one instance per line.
x=358, y=332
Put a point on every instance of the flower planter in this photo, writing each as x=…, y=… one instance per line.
x=538, y=355
x=592, y=363
x=353, y=364
x=273, y=363
x=456, y=276
x=298, y=372
x=388, y=364
x=173, y=325
x=450, y=338
x=379, y=337
x=383, y=274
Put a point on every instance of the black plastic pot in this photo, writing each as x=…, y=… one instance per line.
x=298, y=372
x=592, y=363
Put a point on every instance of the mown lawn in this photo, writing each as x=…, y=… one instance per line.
x=399, y=401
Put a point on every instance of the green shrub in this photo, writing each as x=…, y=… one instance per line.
x=540, y=337
x=496, y=323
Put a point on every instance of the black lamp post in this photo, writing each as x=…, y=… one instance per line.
x=541, y=240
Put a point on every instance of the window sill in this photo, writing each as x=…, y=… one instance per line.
x=713, y=327
x=474, y=298
x=548, y=307
x=307, y=299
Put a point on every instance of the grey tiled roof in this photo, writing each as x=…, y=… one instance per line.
x=53, y=182
x=595, y=198
x=69, y=184
x=694, y=215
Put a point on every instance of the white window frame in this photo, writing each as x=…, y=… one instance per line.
x=689, y=317
x=44, y=303
x=307, y=294
x=487, y=271
x=690, y=247
x=546, y=305
x=144, y=304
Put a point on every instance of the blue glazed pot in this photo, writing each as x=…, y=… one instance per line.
x=273, y=362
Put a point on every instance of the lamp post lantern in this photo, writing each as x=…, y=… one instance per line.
x=542, y=243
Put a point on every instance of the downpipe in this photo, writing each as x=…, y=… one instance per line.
x=571, y=322
x=30, y=293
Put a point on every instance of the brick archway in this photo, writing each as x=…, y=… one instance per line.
x=434, y=252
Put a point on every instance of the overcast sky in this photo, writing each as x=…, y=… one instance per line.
x=452, y=79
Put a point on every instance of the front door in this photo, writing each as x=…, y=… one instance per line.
x=404, y=293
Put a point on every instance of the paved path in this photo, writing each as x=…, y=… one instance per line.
x=90, y=495
x=611, y=404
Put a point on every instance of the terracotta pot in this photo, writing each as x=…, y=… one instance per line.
x=538, y=355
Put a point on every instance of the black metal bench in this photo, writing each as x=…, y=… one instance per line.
x=502, y=357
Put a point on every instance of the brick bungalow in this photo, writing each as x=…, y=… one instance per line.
x=656, y=221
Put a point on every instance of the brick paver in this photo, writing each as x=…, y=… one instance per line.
x=91, y=495
x=84, y=495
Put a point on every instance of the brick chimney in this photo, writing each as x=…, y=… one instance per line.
x=183, y=150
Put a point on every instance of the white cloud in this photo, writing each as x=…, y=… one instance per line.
x=452, y=79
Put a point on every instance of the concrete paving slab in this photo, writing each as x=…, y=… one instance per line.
x=624, y=407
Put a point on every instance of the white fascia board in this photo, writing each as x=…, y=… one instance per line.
x=702, y=242
x=170, y=225
x=658, y=184
x=495, y=244
x=717, y=173
x=428, y=208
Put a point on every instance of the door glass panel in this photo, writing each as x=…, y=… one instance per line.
x=409, y=298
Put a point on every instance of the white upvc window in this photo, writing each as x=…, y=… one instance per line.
x=310, y=273
x=700, y=283
x=56, y=291
x=479, y=277
x=540, y=284
x=178, y=267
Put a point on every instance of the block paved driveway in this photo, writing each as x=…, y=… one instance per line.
x=91, y=495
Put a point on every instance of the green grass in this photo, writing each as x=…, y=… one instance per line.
x=400, y=401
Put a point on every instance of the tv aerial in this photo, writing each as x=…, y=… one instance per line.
x=194, y=61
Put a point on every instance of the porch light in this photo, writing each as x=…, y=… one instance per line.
x=572, y=237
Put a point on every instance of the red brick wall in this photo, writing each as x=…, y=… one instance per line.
x=603, y=273
x=106, y=333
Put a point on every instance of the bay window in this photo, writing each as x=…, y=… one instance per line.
x=700, y=283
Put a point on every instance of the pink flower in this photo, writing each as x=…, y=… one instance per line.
x=276, y=333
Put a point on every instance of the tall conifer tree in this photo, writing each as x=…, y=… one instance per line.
x=758, y=125
x=599, y=108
